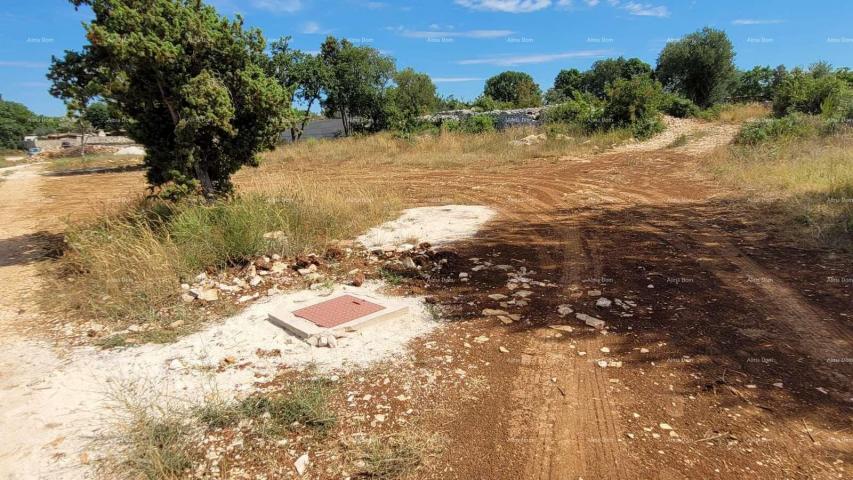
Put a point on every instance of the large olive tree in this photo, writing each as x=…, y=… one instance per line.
x=192, y=83
x=700, y=66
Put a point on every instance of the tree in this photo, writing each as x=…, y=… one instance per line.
x=358, y=80
x=413, y=94
x=634, y=103
x=605, y=72
x=754, y=85
x=700, y=66
x=191, y=81
x=16, y=120
x=516, y=88
x=76, y=81
x=303, y=75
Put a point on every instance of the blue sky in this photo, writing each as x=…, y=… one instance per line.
x=460, y=43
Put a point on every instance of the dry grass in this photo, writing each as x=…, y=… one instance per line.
x=447, y=150
x=94, y=162
x=386, y=457
x=736, y=112
x=810, y=180
x=127, y=268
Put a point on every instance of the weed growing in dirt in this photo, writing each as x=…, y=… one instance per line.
x=391, y=456
x=306, y=404
x=154, y=441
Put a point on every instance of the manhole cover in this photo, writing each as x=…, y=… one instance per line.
x=337, y=311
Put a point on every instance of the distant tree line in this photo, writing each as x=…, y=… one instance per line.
x=205, y=95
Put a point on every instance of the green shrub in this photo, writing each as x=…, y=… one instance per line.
x=634, y=104
x=678, y=106
x=584, y=110
x=758, y=131
x=646, y=127
x=473, y=124
x=803, y=92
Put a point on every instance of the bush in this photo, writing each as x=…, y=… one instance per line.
x=803, y=92
x=584, y=110
x=647, y=127
x=473, y=124
x=633, y=101
x=758, y=131
x=678, y=106
x=485, y=103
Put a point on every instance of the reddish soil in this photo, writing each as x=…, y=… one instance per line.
x=739, y=341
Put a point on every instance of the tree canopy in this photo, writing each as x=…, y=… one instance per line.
x=192, y=82
x=516, y=88
x=357, y=84
x=700, y=66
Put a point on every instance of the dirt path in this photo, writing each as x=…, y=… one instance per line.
x=20, y=245
x=735, y=359
x=727, y=356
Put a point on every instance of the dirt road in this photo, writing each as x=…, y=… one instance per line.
x=735, y=346
x=727, y=355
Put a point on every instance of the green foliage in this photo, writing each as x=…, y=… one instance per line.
x=303, y=75
x=515, y=88
x=604, y=72
x=103, y=116
x=358, y=82
x=16, y=120
x=474, y=124
x=700, y=66
x=632, y=101
x=791, y=126
x=450, y=103
x=757, y=84
x=584, y=110
x=484, y=103
x=411, y=97
x=678, y=106
x=192, y=82
x=813, y=92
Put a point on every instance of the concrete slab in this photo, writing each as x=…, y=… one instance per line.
x=284, y=315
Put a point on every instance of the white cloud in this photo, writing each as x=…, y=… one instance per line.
x=592, y=3
x=512, y=60
x=454, y=33
x=287, y=6
x=756, y=21
x=455, y=79
x=508, y=6
x=24, y=64
x=312, y=27
x=646, y=9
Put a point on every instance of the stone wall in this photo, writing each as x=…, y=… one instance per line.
x=503, y=118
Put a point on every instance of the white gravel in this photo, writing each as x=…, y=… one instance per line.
x=436, y=225
x=54, y=406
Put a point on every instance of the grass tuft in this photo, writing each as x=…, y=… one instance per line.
x=391, y=456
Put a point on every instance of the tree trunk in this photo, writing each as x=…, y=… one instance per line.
x=203, y=176
x=82, y=139
x=345, y=121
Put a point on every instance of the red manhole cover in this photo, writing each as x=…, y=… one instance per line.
x=337, y=311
